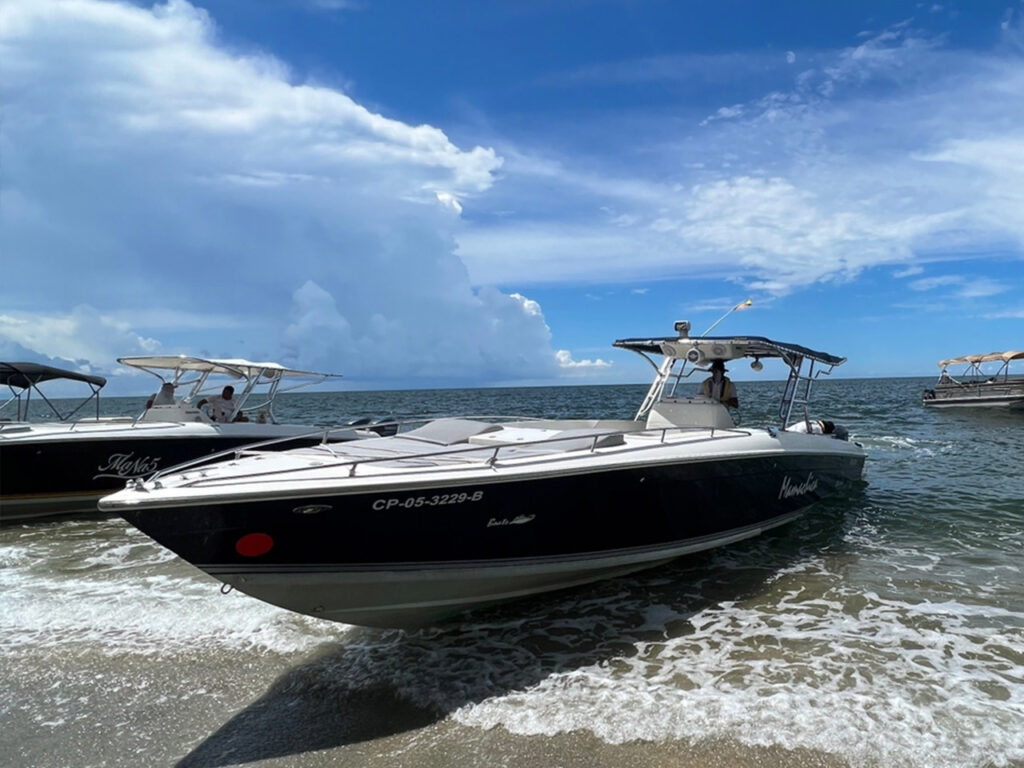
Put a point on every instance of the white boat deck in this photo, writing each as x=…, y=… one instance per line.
x=455, y=445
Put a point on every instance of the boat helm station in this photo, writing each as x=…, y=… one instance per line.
x=684, y=355
x=186, y=381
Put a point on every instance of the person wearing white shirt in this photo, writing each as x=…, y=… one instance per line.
x=222, y=406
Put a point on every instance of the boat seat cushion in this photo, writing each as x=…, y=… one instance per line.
x=449, y=431
x=582, y=440
x=536, y=441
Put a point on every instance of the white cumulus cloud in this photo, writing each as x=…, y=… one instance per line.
x=82, y=337
x=153, y=175
x=565, y=360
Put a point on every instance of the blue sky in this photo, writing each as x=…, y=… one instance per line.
x=473, y=194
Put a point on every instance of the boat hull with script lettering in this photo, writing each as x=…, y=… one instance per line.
x=53, y=470
x=62, y=466
x=458, y=513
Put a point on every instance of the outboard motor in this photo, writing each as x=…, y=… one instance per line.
x=833, y=430
x=385, y=427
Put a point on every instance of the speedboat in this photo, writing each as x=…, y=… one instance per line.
x=456, y=513
x=62, y=466
x=985, y=382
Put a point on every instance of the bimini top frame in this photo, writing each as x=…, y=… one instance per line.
x=990, y=357
x=974, y=363
x=260, y=382
x=697, y=353
x=22, y=379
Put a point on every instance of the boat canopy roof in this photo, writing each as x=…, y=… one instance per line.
x=27, y=375
x=990, y=357
x=234, y=367
x=23, y=379
x=725, y=348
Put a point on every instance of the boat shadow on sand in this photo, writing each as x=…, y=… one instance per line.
x=376, y=683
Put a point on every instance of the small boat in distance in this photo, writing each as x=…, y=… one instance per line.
x=63, y=466
x=24, y=379
x=985, y=382
x=457, y=513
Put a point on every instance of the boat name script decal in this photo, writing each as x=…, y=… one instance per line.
x=126, y=465
x=517, y=520
x=438, y=500
x=790, y=489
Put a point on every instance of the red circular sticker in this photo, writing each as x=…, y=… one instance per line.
x=254, y=544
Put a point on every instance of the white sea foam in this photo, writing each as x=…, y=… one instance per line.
x=158, y=615
x=12, y=557
x=878, y=681
x=128, y=555
x=881, y=446
x=121, y=593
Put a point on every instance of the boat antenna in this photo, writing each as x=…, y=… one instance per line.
x=742, y=305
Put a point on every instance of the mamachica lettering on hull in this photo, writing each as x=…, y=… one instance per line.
x=790, y=489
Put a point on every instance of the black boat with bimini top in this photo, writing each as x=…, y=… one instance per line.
x=23, y=380
x=62, y=466
x=456, y=513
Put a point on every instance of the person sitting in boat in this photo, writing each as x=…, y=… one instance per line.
x=165, y=396
x=222, y=406
x=719, y=387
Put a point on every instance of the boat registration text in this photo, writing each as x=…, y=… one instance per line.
x=411, y=502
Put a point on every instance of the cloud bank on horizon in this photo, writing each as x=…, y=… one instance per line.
x=173, y=177
x=165, y=189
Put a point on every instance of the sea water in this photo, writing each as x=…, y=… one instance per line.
x=884, y=628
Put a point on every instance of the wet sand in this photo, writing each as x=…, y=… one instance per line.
x=195, y=713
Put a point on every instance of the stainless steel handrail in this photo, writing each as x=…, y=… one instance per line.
x=324, y=434
x=462, y=449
